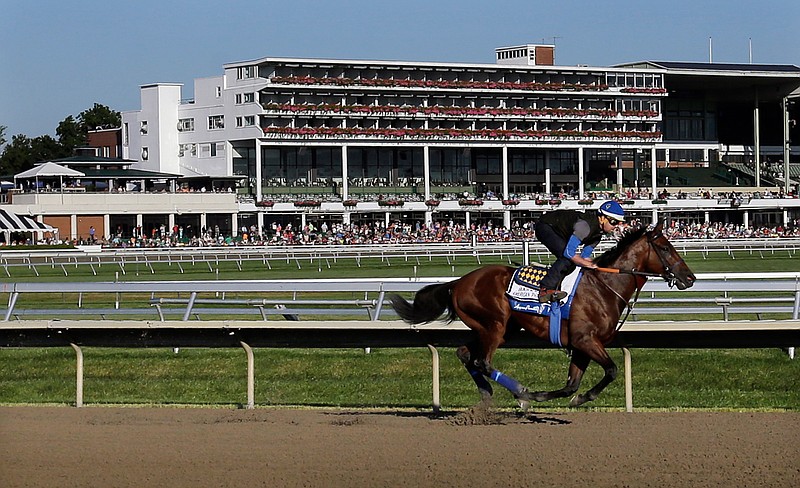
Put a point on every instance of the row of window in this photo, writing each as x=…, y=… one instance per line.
x=214, y=122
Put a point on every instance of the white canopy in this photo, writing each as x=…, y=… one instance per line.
x=49, y=169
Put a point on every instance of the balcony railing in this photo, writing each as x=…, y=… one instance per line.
x=429, y=84
x=459, y=134
x=453, y=111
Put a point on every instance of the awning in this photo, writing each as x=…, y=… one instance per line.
x=11, y=222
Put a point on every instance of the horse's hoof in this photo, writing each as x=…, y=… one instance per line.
x=577, y=401
x=538, y=396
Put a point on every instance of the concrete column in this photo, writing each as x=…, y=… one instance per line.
x=757, y=140
x=654, y=169
x=107, y=226
x=259, y=173
x=581, y=173
x=507, y=213
x=547, y=183
x=73, y=225
x=426, y=165
x=345, y=183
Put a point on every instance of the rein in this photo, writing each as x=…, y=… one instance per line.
x=666, y=275
x=628, y=271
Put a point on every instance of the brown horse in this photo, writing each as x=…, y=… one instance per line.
x=478, y=299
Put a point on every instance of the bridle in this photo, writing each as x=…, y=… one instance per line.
x=667, y=274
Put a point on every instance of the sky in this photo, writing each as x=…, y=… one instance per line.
x=58, y=58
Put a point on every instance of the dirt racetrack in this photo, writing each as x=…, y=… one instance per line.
x=181, y=447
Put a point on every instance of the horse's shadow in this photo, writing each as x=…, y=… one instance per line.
x=477, y=415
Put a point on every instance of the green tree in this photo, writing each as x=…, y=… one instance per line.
x=22, y=153
x=71, y=134
x=99, y=116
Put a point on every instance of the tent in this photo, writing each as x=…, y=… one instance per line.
x=48, y=170
x=11, y=222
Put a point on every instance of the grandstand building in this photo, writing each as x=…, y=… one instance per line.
x=292, y=140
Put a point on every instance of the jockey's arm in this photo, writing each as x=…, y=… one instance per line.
x=583, y=259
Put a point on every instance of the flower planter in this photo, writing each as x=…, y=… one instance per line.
x=391, y=203
x=265, y=203
x=307, y=203
x=659, y=201
x=511, y=203
x=350, y=203
x=585, y=202
x=470, y=202
x=432, y=203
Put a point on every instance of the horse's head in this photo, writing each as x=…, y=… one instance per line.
x=665, y=260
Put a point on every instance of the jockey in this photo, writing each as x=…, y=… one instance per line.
x=563, y=231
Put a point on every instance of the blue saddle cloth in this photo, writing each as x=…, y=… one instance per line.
x=523, y=296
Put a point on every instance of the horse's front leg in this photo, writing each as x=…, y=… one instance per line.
x=577, y=367
x=597, y=353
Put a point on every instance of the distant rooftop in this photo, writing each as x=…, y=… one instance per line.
x=738, y=67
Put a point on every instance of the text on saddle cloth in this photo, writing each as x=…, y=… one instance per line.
x=523, y=296
x=524, y=284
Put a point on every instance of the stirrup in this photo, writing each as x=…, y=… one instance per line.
x=551, y=296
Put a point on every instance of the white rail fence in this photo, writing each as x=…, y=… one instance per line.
x=94, y=258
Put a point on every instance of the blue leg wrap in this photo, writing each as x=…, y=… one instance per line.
x=506, y=381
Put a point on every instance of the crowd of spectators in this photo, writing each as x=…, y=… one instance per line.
x=436, y=232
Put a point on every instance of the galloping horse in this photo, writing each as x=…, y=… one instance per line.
x=478, y=299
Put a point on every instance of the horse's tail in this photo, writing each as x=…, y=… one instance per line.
x=429, y=304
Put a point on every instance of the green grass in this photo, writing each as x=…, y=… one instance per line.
x=752, y=379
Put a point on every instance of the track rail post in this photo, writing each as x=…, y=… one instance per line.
x=78, y=374
x=251, y=383
x=626, y=354
x=437, y=405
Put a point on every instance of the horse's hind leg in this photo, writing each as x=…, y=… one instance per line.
x=484, y=387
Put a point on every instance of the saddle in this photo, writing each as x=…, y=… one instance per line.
x=523, y=296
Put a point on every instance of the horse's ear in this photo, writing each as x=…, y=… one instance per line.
x=659, y=226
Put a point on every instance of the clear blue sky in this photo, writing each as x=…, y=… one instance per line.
x=58, y=58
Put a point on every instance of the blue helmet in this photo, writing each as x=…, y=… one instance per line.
x=612, y=210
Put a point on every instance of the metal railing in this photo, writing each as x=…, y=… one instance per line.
x=327, y=255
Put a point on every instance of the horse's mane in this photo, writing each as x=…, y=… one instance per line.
x=627, y=239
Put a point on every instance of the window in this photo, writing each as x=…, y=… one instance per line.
x=246, y=121
x=216, y=122
x=246, y=72
x=187, y=149
x=245, y=98
x=185, y=125
x=145, y=154
x=212, y=150
x=143, y=127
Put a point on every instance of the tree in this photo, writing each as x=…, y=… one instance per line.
x=71, y=134
x=23, y=153
x=99, y=117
